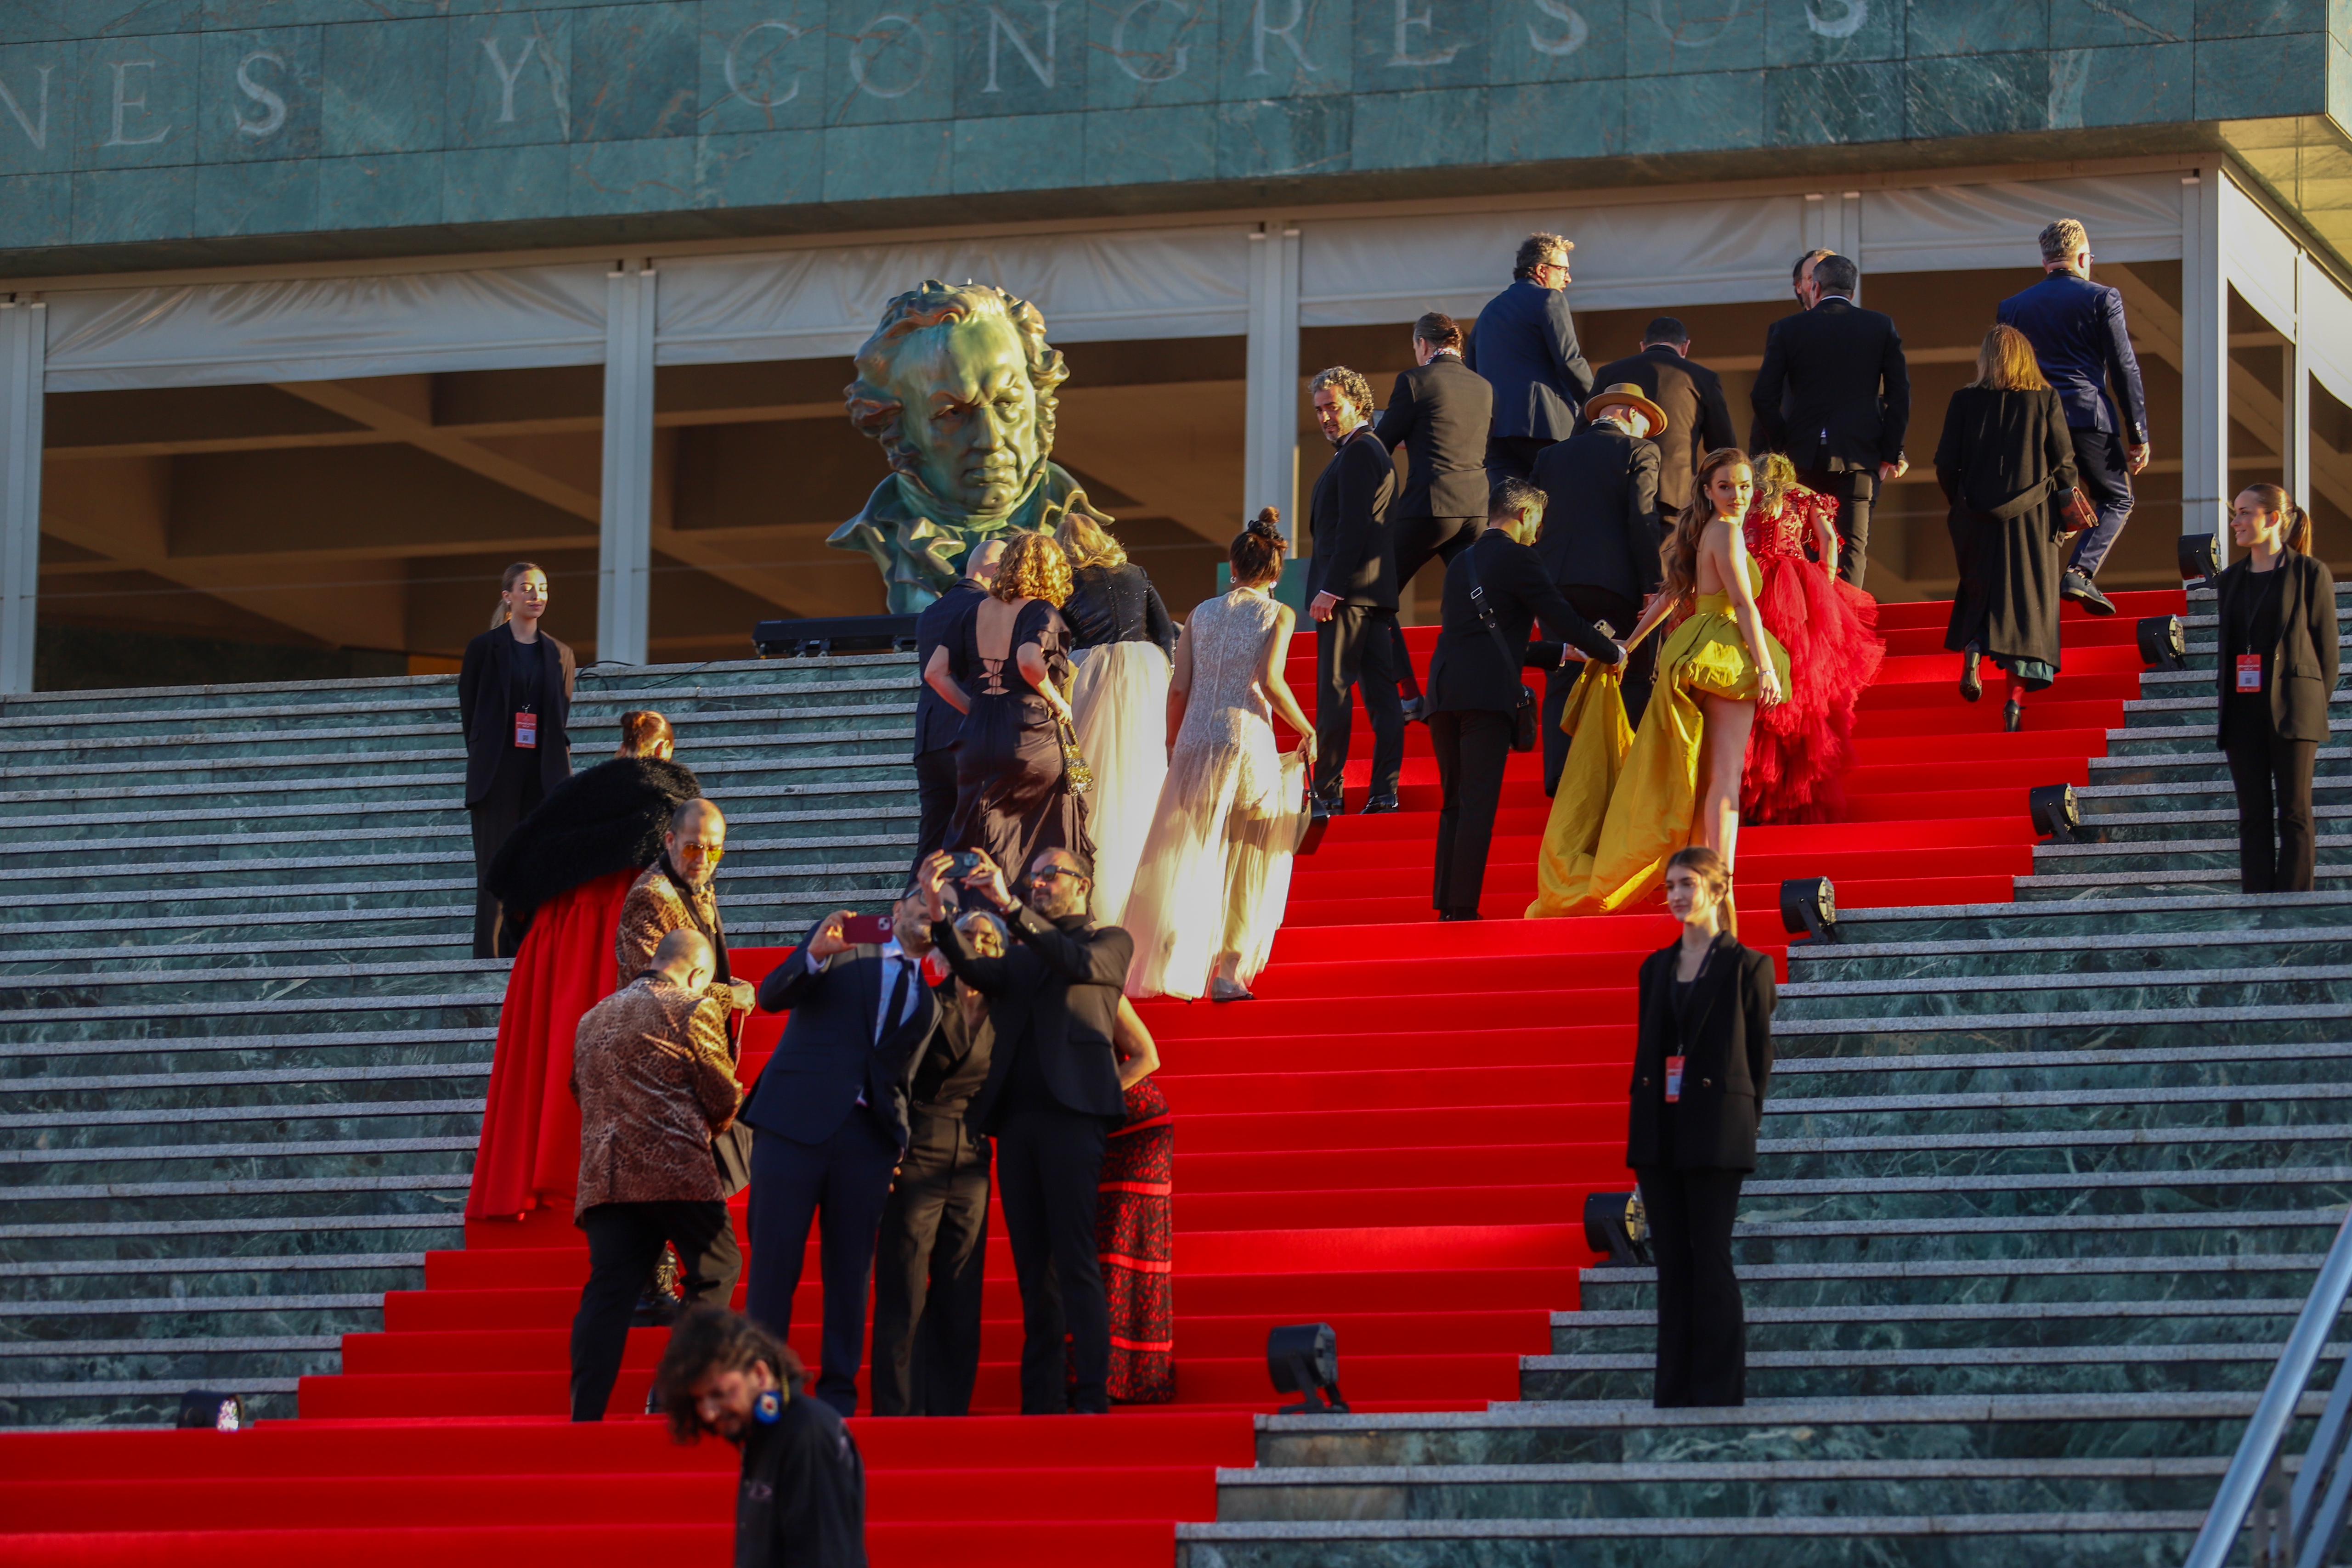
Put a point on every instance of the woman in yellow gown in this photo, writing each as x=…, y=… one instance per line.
x=1627, y=801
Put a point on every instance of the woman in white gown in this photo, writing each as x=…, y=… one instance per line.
x=1121, y=636
x=1216, y=875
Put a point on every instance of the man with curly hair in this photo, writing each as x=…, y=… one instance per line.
x=958, y=385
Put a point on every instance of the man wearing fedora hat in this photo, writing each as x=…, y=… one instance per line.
x=1599, y=541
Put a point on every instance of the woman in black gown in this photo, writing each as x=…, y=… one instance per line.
x=1011, y=798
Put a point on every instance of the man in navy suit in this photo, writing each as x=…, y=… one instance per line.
x=936, y=725
x=1525, y=345
x=2076, y=327
x=829, y=1115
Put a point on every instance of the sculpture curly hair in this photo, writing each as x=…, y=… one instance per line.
x=875, y=410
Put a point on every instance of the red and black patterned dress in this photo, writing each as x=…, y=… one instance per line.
x=1799, y=751
x=1135, y=1233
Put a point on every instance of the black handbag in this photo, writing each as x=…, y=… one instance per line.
x=1523, y=717
x=732, y=1152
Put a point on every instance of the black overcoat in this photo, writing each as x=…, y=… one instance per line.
x=2007, y=464
x=1725, y=1035
x=487, y=716
x=601, y=820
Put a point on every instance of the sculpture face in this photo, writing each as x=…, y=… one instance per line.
x=971, y=412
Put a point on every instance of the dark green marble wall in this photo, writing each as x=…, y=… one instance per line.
x=128, y=125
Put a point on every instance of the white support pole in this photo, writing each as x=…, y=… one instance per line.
x=2205, y=358
x=2294, y=413
x=1270, y=444
x=24, y=329
x=624, y=558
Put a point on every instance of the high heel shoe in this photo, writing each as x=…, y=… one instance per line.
x=1223, y=990
x=2012, y=718
x=1971, y=687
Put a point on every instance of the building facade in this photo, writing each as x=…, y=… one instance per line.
x=314, y=313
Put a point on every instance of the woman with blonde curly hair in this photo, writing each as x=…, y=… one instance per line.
x=1012, y=799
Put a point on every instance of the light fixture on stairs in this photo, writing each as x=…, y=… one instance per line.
x=2056, y=814
x=207, y=1408
x=1304, y=1359
x=817, y=636
x=1617, y=1227
x=2163, y=643
x=2201, y=559
x=1809, y=908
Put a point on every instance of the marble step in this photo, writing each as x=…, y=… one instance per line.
x=2179, y=708
x=2222, y=874
x=52, y=1135
x=228, y=1202
x=250, y=1236
x=2148, y=988
x=77, y=1028
x=2173, y=830
x=92, y=985
x=231, y=1362
x=2042, y=1199
x=175, y=1279
x=1797, y=1079
x=260, y=1155
x=201, y=1093
x=167, y=855
x=1701, y=1489
x=818, y=737
x=2059, y=1116
x=133, y=1056
x=2045, y=1324
x=2097, y=803
x=2089, y=954
x=167, y=1318
x=724, y=773
x=128, y=1403
x=1900, y=1282
x=117, y=949
x=2082, y=920
x=2189, y=756
x=2196, y=1137
x=2297, y=1228
x=2173, y=856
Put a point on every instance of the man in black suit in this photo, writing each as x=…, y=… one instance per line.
x=1051, y=1100
x=1438, y=412
x=1835, y=395
x=1698, y=419
x=1352, y=582
x=1600, y=542
x=1473, y=681
x=934, y=1246
x=829, y=1115
x=937, y=724
x=1525, y=345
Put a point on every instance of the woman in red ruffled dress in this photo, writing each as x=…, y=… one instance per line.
x=566, y=873
x=1800, y=750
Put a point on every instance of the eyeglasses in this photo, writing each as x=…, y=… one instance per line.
x=1050, y=872
x=702, y=852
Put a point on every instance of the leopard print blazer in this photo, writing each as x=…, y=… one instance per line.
x=655, y=1082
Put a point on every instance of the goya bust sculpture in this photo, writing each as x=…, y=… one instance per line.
x=958, y=384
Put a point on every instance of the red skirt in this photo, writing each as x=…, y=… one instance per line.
x=529, y=1153
x=1134, y=1231
x=1799, y=752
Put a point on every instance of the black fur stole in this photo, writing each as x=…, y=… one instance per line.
x=608, y=818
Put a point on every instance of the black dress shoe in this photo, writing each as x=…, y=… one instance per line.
x=2012, y=718
x=1326, y=805
x=2075, y=586
x=1457, y=914
x=1379, y=803
x=1971, y=687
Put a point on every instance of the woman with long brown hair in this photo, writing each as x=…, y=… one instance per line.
x=2007, y=465
x=2275, y=668
x=1012, y=795
x=1623, y=807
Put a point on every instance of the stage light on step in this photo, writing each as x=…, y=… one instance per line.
x=1809, y=908
x=203, y=1408
x=2163, y=643
x=1304, y=1359
x=2200, y=557
x=2056, y=816
x=1616, y=1227
x=834, y=634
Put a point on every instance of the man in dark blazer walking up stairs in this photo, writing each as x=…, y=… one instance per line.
x=1352, y=582
x=1698, y=419
x=1525, y=345
x=1439, y=413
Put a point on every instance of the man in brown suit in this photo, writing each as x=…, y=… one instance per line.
x=676, y=894
x=1691, y=396
x=655, y=1080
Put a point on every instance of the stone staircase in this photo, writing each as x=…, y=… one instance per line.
x=2043, y=1189
x=242, y=1048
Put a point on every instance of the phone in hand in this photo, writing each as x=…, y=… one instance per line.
x=865, y=930
x=963, y=863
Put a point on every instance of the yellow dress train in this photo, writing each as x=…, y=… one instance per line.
x=1626, y=800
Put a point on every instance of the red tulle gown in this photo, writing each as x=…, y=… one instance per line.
x=1799, y=751
x=529, y=1153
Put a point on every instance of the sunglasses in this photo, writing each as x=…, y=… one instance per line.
x=702, y=852
x=1050, y=872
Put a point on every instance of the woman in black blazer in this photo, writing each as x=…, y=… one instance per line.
x=2275, y=671
x=1473, y=680
x=514, y=696
x=1700, y=1068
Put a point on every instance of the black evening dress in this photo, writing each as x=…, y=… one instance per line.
x=1011, y=797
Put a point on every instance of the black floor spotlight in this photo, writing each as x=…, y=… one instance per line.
x=1809, y=908
x=2200, y=557
x=2163, y=643
x=2056, y=816
x=1304, y=1359
x=1617, y=1227
x=205, y=1407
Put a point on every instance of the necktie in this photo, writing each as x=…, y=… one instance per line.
x=896, y=1007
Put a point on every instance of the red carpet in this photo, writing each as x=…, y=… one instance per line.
x=1397, y=1138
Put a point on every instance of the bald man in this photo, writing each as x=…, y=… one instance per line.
x=656, y=1081
x=676, y=892
x=937, y=724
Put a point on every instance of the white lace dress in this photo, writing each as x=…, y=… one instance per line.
x=1215, y=870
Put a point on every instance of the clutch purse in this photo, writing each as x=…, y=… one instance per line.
x=1078, y=773
x=2076, y=514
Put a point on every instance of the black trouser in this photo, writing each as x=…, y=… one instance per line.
x=935, y=788
x=1513, y=456
x=1702, y=1330
x=625, y=1240
x=2103, y=469
x=848, y=1177
x=1596, y=604
x=928, y=1271
x=1355, y=647
x=1418, y=539
x=1048, y=1176
x=1853, y=490
x=514, y=794
x=1472, y=748
x=2272, y=776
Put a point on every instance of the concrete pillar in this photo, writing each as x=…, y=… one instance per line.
x=2205, y=360
x=1270, y=445
x=624, y=549
x=2295, y=411
x=24, y=327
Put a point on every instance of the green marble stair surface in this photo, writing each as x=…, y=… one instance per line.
x=243, y=1044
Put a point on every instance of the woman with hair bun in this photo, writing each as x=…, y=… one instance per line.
x=1012, y=799
x=1216, y=866
x=1122, y=639
x=2276, y=672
